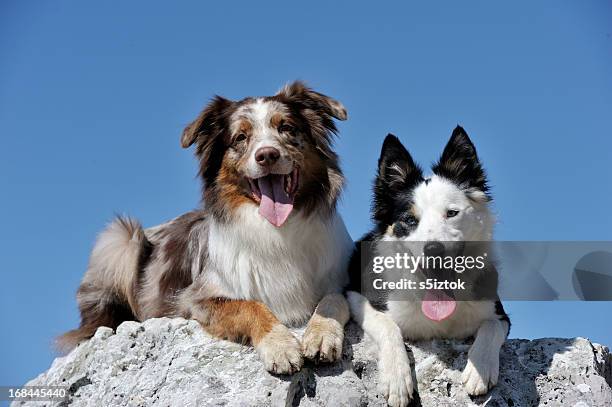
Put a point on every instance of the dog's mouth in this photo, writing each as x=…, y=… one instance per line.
x=275, y=194
x=438, y=305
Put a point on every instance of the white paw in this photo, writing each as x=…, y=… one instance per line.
x=480, y=374
x=280, y=351
x=323, y=339
x=395, y=379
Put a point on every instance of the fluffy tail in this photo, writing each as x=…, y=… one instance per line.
x=106, y=296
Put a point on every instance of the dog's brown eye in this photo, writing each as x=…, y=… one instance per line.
x=451, y=213
x=285, y=128
x=241, y=137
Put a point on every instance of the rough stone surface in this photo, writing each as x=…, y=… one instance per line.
x=172, y=362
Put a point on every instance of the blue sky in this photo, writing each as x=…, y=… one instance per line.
x=93, y=98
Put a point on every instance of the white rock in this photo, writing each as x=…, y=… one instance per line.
x=583, y=388
x=172, y=362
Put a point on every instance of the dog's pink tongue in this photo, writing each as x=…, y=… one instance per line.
x=275, y=204
x=437, y=306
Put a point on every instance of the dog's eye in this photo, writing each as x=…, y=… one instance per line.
x=451, y=213
x=285, y=128
x=411, y=221
x=241, y=137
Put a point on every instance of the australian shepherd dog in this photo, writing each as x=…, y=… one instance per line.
x=445, y=214
x=267, y=250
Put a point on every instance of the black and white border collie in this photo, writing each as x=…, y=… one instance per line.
x=450, y=206
x=266, y=251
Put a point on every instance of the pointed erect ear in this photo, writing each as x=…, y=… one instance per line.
x=302, y=94
x=396, y=168
x=207, y=122
x=397, y=174
x=460, y=164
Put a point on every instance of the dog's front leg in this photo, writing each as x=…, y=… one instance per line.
x=252, y=321
x=394, y=371
x=482, y=368
x=325, y=331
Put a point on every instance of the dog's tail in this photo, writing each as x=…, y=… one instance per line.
x=107, y=294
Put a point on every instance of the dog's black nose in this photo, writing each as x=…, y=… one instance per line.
x=266, y=156
x=433, y=248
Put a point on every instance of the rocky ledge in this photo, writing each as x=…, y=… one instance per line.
x=172, y=362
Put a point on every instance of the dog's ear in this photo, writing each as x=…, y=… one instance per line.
x=208, y=121
x=396, y=176
x=459, y=163
x=298, y=92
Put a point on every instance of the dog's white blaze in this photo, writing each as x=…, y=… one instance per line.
x=261, y=110
x=259, y=114
x=288, y=268
x=431, y=201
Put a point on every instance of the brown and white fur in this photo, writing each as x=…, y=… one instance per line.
x=241, y=275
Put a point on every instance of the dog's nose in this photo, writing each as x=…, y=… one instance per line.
x=433, y=248
x=266, y=156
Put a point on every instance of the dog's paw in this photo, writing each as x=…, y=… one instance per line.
x=395, y=379
x=280, y=351
x=322, y=340
x=480, y=374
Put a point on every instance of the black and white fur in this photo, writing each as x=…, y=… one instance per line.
x=408, y=207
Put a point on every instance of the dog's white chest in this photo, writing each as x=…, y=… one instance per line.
x=464, y=322
x=289, y=268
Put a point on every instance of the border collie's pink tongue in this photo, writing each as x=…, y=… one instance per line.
x=275, y=204
x=437, y=306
